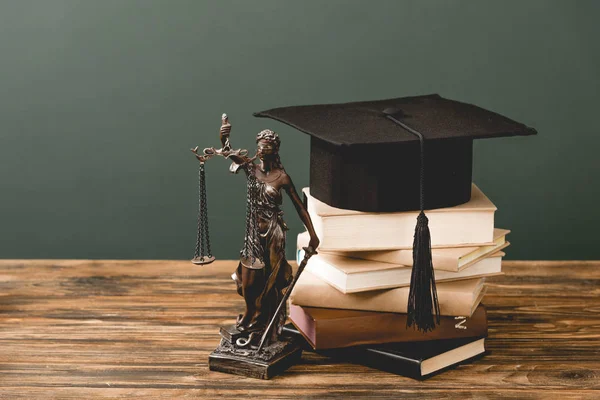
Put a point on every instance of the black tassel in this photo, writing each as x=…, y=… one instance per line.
x=423, y=306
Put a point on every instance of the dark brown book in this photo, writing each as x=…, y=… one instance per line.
x=326, y=328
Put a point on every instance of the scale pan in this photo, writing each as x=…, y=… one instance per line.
x=203, y=260
x=247, y=262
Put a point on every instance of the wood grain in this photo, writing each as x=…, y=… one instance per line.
x=78, y=329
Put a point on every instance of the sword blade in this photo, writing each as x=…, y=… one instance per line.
x=308, y=253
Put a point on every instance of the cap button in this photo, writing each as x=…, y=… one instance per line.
x=394, y=111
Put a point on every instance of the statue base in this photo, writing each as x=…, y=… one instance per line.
x=272, y=359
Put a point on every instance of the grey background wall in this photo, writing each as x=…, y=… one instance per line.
x=101, y=100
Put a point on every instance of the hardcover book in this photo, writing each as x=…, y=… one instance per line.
x=469, y=224
x=418, y=360
x=446, y=259
x=352, y=275
x=326, y=328
x=455, y=298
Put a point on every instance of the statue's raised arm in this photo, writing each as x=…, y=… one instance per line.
x=224, y=132
x=239, y=156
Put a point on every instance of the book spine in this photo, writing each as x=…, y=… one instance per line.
x=394, y=301
x=377, y=328
x=331, y=271
x=398, y=257
x=402, y=257
x=381, y=232
x=386, y=362
x=391, y=300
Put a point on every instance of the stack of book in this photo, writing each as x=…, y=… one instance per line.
x=353, y=295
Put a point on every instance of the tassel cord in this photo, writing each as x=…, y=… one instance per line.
x=423, y=306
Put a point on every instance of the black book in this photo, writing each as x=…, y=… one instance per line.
x=418, y=360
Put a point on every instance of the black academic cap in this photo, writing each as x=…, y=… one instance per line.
x=365, y=155
x=409, y=153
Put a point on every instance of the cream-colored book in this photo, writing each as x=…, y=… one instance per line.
x=352, y=275
x=446, y=259
x=455, y=298
x=465, y=225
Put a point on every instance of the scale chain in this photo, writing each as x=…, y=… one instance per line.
x=251, y=244
x=202, y=238
x=254, y=220
x=246, y=250
x=205, y=214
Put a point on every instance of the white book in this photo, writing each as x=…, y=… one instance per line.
x=469, y=224
x=448, y=259
x=352, y=275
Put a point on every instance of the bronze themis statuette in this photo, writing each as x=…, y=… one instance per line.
x=254, y=345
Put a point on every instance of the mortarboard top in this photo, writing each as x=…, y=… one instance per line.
x=363, y=160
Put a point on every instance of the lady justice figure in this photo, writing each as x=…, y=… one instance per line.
x=263, y=282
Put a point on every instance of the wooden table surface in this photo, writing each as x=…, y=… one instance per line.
x=81, y=329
